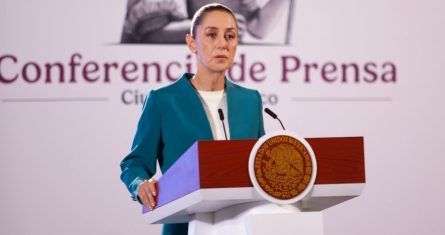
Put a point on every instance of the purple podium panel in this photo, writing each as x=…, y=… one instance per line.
x=180, y=179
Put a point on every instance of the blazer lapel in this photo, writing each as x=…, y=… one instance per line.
x=195, y=110
x=233, y=110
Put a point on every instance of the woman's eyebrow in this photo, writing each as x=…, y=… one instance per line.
x=211, y=28
x=216, y=28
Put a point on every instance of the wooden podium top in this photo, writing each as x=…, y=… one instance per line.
x=339, y=160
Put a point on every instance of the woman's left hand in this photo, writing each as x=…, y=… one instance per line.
x=147, y=193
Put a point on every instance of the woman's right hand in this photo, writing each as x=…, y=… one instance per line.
x=147, y=193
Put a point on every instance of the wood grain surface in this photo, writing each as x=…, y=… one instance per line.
x=225, y=163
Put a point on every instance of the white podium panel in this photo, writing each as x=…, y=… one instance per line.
x=211, y=200
x=257, y=218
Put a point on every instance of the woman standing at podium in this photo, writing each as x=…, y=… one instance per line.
x=177, y=115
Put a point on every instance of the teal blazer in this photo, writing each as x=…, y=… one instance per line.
x=173, y=118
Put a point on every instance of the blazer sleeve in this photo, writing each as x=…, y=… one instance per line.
x=260, y=116
x=140, y=163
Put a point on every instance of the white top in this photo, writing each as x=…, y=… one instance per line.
x=212, y=101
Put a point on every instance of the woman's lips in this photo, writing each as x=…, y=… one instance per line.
x=221, y=57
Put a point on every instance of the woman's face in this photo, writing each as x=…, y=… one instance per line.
x=216, y=41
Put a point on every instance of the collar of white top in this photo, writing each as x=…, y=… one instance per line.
x=211, y=93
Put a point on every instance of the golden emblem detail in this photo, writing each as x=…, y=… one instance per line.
x=283, y=167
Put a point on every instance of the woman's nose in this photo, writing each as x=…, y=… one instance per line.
x=222, y=42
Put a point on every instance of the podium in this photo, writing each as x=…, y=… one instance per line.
x=209, y=186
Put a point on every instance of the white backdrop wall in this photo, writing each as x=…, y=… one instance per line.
x=61, y=142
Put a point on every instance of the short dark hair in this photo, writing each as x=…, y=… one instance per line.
x=199, y=15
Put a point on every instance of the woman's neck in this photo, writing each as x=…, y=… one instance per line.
x=208, y=81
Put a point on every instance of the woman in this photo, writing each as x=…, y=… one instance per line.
x=176, y=116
